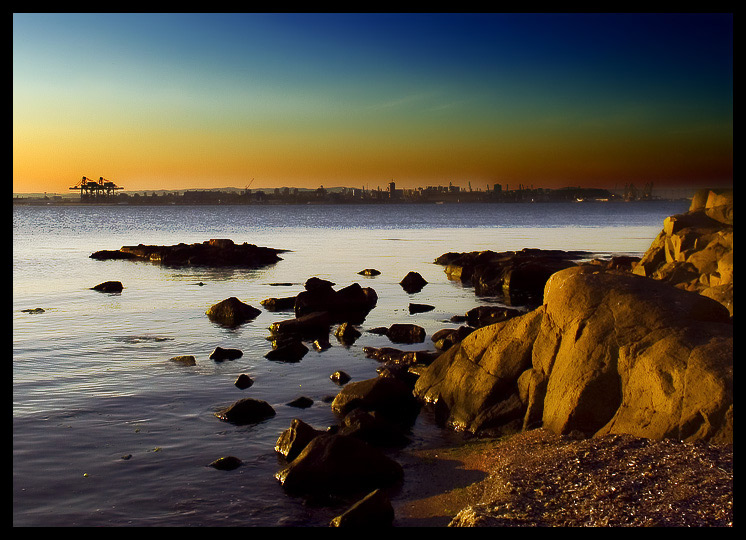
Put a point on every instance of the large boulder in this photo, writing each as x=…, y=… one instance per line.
x=694, y=251
x=607, y=352
x=246, y=411
x=334, y=464
x=387, y=396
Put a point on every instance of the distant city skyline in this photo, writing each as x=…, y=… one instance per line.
x=200, y=101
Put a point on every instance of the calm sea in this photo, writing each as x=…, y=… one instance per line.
x=107, y=431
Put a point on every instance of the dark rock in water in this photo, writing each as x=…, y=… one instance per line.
x=34, y=310
x=246, y=411
x=293, y=351
x=351, y=303
x=334, y=464
x=186, y=360
x=279, y=304
x=420, y=308
x=413, y=282
x=213, y=253
x=111, y=254
x=369, y=272
x=340, y=377
x=220, y=354
x=446, y=338
x=302, y=402
x=374, y=510
x=315, y=324
x=406, y=333
x=226, y=463
x=518, y=276
x=390, y=355
x=373, y=429
x=293, y=440
x=243, y=381
x=388, y=397
x=346, y=333
x=321, y=344
x=232, y=312
x=484, y=315
x=314, y=283
x=109, y=287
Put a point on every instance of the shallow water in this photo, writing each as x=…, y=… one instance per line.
x=91, y=378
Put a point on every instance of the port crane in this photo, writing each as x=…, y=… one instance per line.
x=92, y=188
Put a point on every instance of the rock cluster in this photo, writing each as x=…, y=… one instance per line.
x=607, y=352
x=215, y=252
x=694, y=251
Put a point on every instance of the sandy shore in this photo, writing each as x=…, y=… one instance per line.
x=539, y=478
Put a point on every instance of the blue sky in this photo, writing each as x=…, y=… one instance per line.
x=212, y=100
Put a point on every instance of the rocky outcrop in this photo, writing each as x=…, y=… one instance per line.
x=214, y=253
x=517, y=276
x=608, y=352
x=694, y=251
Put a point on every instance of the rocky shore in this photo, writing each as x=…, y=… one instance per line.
x=603, y=396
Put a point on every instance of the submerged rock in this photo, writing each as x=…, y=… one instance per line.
x=185, y=360
x=246, y=411
x=226, y=463
x=220, y=354
x=109, y=287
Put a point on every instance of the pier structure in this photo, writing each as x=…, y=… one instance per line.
x=92, y=188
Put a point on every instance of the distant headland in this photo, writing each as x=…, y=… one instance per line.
x=109, y=193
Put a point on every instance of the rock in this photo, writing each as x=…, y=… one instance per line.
x=608, y=352
x=34, y=310
x=231, y=312
x=109, y=287
x=243, y=381
x=187, y=360
x=389, y=355
x=302, y=402
x=315, y=324
x=246, y=411
x=413, y=282
x=386, y=396
x=293, y=351
x=694, y=251
x=334, y=464
x=226, y=463
x=294, y=439
x=372, y=429
x=517, y=276
x=314, y=283
x=374, y=510
x=486, y=315
x=279, y=304
x=346, y=333
x=351, y=303
x=444, y=339
x=220, y=354
x=213, y=253
x=321, y=344
x=420, y=308
x=406, y=333
x=340, y=377
x=474, y=382
x=369, y=272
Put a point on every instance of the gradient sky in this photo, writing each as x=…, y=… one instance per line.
x=183, y=101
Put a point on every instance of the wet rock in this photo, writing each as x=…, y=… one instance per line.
x=485, y=315
x=334, y=464
x=302, y=402
x=109, y=287
x=246, y=411
x=374, y=510
x=293, y=351
x=405, y=333
x=388, y=397
x=212, y=253
x=279, y=304
x=340, y=377
x=413, y=282
x=315, y=324
x=390, y=355
x=346, y=333
x=372, y=429
x=243, y=381
x=186, y=360
x=369, y=272
x=321, y=344
x=220, y=354
x=232, y=312
x=294, y=439
x=226, y=463
x=420, y=308
x=34, y=310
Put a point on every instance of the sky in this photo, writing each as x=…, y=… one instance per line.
x=196, y=101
